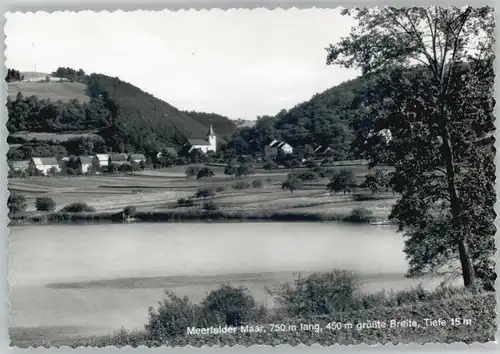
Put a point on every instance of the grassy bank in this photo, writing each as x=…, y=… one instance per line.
x=331, y=302
x=188, y=215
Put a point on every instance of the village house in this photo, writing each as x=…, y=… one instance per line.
x=272, y=149
x=45, y=164
x=137, y=158
x=204, y=145
x=21, y=165
x=118, y=159
x=84, y=164
x=103, y=159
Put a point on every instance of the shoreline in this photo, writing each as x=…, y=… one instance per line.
x=188, y=216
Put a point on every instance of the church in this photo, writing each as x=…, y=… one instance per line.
x=204, y=145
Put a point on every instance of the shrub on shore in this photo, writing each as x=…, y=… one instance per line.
x=77, y=208
x=318, y=294
x=129, y=211
x=210, y=205
x=185, y=202
x=359, y=215
x=227, y=305
x=45, y=204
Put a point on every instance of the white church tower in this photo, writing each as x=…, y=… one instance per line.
x=212, y=139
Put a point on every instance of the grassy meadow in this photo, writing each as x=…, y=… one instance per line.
x=159, y=190
x=53, y=90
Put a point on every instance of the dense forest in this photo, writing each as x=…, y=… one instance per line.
x=13, y=75
x=124, y=117
x=325, y=120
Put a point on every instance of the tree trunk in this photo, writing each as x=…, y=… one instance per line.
x=463, y=250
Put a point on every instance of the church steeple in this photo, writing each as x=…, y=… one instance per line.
x=211, y=131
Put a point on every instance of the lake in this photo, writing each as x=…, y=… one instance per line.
x=76, y=280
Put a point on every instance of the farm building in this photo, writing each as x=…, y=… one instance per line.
x=45, y=164
x=118, y=159
x=204, y=145
x=21, y=165
x=137, y=158
x=103, y=159
x=84, y=163
x=272, y=149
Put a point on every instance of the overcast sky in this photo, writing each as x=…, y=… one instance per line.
x=239, y=63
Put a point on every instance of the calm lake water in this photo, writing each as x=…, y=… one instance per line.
x=69, y=280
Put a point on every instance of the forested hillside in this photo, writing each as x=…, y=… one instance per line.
x=126, y=117
x=323, y=120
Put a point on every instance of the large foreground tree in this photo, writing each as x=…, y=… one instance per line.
x=431, y=88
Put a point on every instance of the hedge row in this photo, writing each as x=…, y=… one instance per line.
x=479, y=309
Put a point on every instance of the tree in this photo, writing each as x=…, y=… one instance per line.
x=231, y=168
x=376, y=182
x=243, y=170
x=292, y=183
x=45, y=204
x=205, y=172
x=16, y=203
x=343, y=180
x=192, y=171
x=439, y=114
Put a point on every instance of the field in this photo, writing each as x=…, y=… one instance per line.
x=160, y=189
x=49, y=136
x=54, y=90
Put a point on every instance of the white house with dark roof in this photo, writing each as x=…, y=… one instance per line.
x=137, y=158
x=45, y=164
x=118, y=159
x=204, y=145
x=275, y=146
x=103, y=159
x=84, y=163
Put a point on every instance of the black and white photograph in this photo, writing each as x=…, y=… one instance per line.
x=251, y=177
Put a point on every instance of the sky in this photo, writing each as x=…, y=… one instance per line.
x=238, y=63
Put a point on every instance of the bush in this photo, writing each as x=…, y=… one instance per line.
x=359, y=215
x=205, y=193
x=231, y=306
x=45, y=204
x=185, y=202
x=16, y=203
x=77, y=208
x=129, y=210
x=257, y=183
x=220, y=189
x=173, y=316
x=205, y=172
x=210, y=205
x=241, y=185
x=192, y=171
x=226, y=305
x=319, y=294
x=362, y=197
